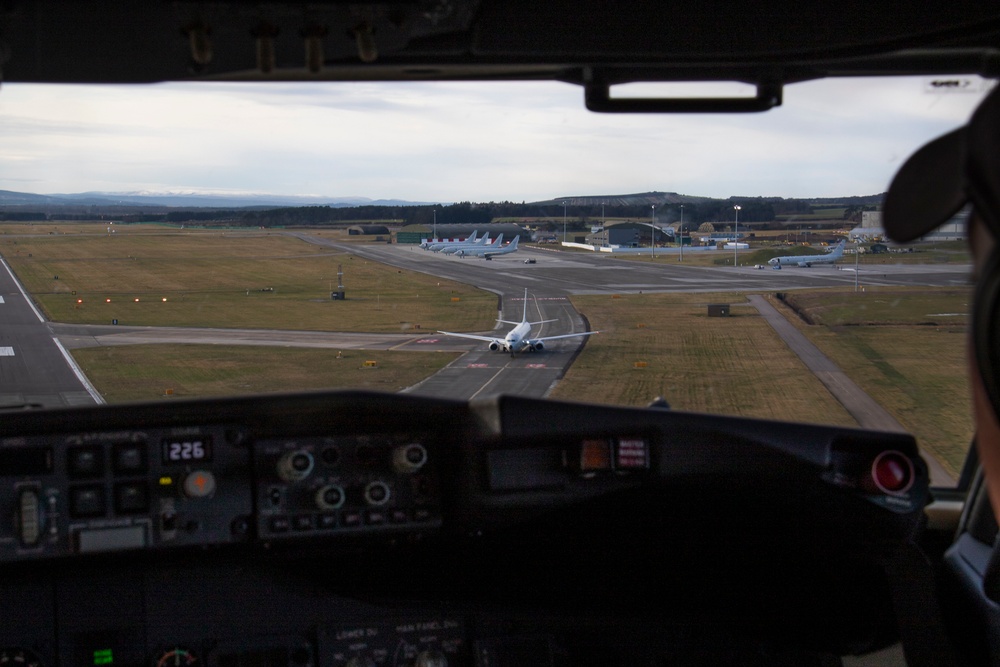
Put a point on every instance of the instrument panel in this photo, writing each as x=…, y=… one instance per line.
x=362, y=529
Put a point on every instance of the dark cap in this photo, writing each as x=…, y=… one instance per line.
x=960, y=167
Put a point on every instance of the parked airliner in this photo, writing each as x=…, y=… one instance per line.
x=460, y=250
x=517, y=340
x=488, y=252
x=441, y=245
x=808, y=260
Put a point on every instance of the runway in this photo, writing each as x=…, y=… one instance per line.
x=35, y=369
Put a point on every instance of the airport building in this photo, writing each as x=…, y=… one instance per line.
x=871, y=228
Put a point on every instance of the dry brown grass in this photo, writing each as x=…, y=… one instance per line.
x=149, y=372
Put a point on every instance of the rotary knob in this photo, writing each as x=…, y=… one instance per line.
x=410, y=458
x=295, y=466
x=330, y=497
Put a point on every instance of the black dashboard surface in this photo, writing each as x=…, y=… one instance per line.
x=370, y=529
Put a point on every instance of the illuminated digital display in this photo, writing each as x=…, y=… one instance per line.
x=631, y=454
x=184, y=450
x=595, y=455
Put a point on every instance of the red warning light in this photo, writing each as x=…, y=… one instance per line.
x=892, y=472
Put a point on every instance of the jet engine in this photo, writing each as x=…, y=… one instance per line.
x=537, y=346
x=494, y=346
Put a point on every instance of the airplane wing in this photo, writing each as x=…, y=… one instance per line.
x=531, y=323
x=572, y=335
x=488, y=339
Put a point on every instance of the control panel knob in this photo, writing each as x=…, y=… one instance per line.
x=295, y=466
x=410, y=458
x=199, y=484
x=377, y=493
x=431, y=658
x=330, y=497
x=176, y=656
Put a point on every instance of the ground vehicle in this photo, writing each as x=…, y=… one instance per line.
x=831, y=573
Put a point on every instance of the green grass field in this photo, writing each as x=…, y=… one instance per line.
x=906, y=348
x=241, y=280
x=666, y=345
x=149, y=372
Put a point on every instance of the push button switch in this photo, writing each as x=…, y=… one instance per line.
x=87, y=501
x=130, y=458
x=86, y=462
x=131, y=498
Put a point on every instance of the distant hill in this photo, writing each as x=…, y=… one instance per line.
x=191, y=200
x=672, y=198
x=863, y=200
x=642, y=198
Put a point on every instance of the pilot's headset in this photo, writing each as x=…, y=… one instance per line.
x=957, y=169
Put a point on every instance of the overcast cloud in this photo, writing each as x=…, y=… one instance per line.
x=458, y=141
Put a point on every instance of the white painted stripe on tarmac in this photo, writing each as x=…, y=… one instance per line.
x=21, y=289
x=6, y=352
x=79, y=373
x=1, y=299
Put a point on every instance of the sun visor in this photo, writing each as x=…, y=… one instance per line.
x=928, y=189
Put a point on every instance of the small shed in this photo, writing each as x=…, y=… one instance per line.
x=718, y=310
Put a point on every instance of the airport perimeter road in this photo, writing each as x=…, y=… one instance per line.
x=865, y=410
x=34, y=368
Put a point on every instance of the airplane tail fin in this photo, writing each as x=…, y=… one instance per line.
x=525, y=316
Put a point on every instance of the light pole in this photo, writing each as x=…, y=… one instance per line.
x=682, y=233
x=434, y=229
x=856, y=253
x=564, y=222
x=736, y=235
x=652, y=232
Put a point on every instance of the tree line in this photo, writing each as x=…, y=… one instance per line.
x=752, y=210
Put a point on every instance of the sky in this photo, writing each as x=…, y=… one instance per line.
x=447, y=142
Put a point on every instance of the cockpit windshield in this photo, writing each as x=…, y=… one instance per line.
x=207, y=239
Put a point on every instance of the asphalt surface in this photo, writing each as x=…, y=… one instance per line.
x=34, y=370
